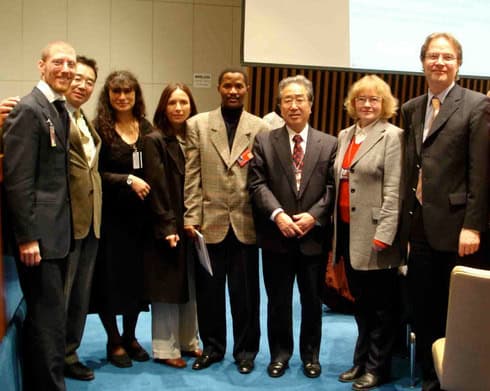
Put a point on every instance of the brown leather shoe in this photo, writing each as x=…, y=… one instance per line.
x=351, y=374
x=172, y=362
x=192, y=353
x=368, y=381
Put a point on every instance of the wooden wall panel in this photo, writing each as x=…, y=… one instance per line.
x=331, y=88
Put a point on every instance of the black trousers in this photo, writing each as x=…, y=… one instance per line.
x=239, y=264
x=429, y=273
x=280, y=271
x=375, y=310
x=78, y=285
x=44, y=325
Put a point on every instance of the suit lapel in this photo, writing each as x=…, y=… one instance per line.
x=372, y=138
x=175, y=153
x=418, y=123
x=282, y=147
x=218, y=135
x=344, y=144
x=242, y=138
x=95, y=136
x=52, y=116
x=450, y=105
x=76, y=141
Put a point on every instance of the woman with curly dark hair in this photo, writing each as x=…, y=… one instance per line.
x=118, y=284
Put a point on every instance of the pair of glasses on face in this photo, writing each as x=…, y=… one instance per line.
x=446, y=57
x=373, y=100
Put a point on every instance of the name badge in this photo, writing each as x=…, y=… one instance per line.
x=52, y=134
x=245, y=157
x=344, y=173
x=137, y=160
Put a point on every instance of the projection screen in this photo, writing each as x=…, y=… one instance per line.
x=365, y=35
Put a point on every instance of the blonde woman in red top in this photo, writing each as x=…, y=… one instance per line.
x=367, y=178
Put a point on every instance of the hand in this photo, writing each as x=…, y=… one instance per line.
x=305, y=222
x=172, y=240
x=287, y=226
x=378, y=245
x=469, y=242
x=29, y=252
x=190, y=231
x=139, y=186
x=6, y=106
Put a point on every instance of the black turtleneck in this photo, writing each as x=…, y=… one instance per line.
x=231, y=117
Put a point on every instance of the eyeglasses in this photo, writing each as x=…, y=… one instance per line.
x=446, y=57
x=373, y=100
x=299, y=100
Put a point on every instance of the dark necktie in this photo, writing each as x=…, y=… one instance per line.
x=298, y=159
x=60, y=107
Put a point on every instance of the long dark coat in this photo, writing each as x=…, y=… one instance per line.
x=165, y=268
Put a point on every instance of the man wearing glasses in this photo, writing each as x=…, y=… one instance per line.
x=445, y=191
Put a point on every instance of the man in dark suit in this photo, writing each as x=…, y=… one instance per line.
x=291, y=186
x=446, y=188
x=86, y=203
x=38, y=203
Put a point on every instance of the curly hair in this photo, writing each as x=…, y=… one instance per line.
x=105, y=118
x=160, y=119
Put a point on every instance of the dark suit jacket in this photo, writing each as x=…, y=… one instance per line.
x=36, y=176
x=272, y=185
x=165, y=267
x=454, y=158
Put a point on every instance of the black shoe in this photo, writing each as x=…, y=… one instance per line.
x=351, y=374
x=368, y=381
x=245, y=366
x=135, y=351
x=79, y=371
x=312, y=369
x=277, y=368
x=205, y=361
x=119, y=360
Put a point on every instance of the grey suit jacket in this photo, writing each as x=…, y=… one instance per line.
x=374, y=183
x=85, y=185
x=272, y=185
x=36, y=176
x=215, y=191
x=454, y=159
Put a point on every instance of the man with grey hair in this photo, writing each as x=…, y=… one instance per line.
x=291, y=187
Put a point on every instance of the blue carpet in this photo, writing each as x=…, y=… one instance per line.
x=339, y=335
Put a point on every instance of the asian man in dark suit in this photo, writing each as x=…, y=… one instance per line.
x=36, y=145
x=445, y=193
x=291, y=187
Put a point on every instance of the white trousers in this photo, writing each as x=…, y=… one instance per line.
x=174, y=327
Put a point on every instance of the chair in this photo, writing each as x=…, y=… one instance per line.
x=462, y=358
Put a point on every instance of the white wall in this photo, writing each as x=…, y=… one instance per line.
x=158, y=40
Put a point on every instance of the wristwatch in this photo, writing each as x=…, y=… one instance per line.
x=129, y=180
